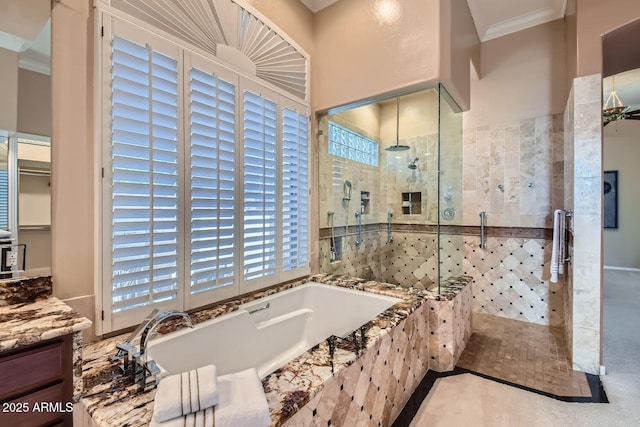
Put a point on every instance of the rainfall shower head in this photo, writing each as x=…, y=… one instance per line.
x=413, y=165
x=397, y=147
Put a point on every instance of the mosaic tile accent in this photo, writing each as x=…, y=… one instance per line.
x=530, y=355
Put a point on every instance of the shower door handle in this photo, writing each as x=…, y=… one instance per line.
x=389, y=236
x=483, y=237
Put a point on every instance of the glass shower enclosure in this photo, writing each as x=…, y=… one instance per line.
x=391, y=189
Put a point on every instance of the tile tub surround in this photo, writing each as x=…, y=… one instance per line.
x=24, y=290
x=26, y=324
x=112, y=400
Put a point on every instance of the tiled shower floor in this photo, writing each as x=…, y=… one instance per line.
x=526, y=354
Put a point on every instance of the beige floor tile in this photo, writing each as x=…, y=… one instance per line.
x=531, y=355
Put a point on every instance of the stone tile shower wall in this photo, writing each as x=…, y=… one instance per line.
x=409, y=260
x=585, y=121
x=525, y=158
x=510, y=277
x=514, y=171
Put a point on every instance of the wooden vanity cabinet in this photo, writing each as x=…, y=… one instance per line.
x=36, y=384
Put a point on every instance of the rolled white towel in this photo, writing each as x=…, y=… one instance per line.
x=186, y=393
x=242, y=403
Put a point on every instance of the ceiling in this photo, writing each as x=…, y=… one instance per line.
x=25, y=28
x=316, y=5
x=494, y=18
x=627, y=86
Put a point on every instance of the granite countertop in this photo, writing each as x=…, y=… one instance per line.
x=25, y=289
x=30, y=323
x=111, y=399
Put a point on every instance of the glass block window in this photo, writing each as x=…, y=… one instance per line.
x=351, y=145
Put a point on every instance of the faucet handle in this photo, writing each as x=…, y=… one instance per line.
x=152, y=367
x=150, y=375
x=124, y=349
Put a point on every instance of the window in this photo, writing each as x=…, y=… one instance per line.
x=144, y=175
x=294, y=189
x=205, y=188
x=212, y=181
x=259, y=186
x=346, y=143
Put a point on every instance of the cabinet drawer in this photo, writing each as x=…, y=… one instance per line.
x=36, y=409
x=30, y=368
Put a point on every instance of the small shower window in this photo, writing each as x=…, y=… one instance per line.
x=351, y=145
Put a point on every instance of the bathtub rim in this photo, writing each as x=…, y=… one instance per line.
x=243, y=308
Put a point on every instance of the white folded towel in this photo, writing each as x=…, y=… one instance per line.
x=186, y=393
x=242, y=403
x=558, y=240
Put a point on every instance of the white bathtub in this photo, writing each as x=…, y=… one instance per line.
x=296, y=320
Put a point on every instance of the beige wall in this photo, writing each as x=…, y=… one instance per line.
x=522, y=75
x=595, y=18
x=8, y=90
x=38, y=248
x=621, y=151
x=360, y=54
x=34, y=103
x=571, y=48
x=73, y=171
x=459, y=42
x=292, y=16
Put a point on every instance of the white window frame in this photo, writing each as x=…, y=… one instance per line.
x=113, y=22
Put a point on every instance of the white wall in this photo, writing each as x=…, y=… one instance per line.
x=621, y=152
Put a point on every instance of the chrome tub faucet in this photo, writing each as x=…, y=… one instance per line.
x=146, y=372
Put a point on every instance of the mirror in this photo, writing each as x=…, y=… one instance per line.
x=25, y=130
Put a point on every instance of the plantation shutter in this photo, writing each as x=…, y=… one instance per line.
x=204, y=179
x=144, y=176
x=212, y=118
x=4, y=185
x=259, y=143
x=294, y=190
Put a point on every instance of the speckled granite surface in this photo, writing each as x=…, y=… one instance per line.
x=24, y=290
x=112, y=400
x=26, y=324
